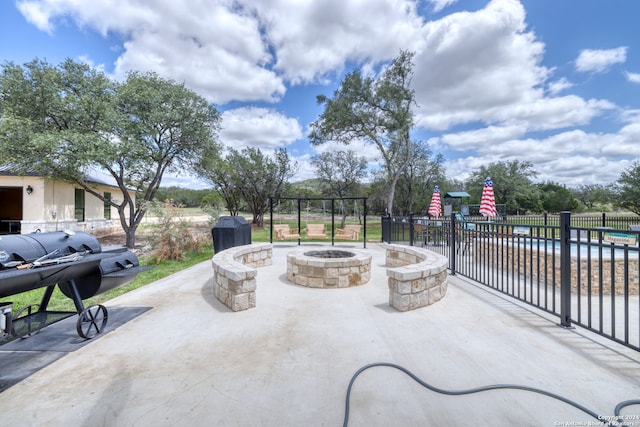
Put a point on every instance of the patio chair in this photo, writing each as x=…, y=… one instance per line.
x=349, y=232
x=283, y=232
x=316, y=231
x=420, y=234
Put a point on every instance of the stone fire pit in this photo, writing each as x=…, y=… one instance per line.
x=328, y=268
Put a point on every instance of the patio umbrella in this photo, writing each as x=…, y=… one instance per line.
x=435, y=207
x=488, y=201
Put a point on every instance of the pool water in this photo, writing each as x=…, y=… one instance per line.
x=551, y=246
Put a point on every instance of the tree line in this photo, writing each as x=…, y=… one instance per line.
x=61, y=121
x=336, y=176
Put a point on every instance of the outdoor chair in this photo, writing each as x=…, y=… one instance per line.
x=283, y=232
x=316, y=231
x=420, y=234
x=349, y=232
x=466, y=234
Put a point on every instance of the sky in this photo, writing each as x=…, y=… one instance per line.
x=552, y=82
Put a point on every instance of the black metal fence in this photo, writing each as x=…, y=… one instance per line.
x=576, y=268
x=587, y=221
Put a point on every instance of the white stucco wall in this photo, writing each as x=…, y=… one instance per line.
x=51, y=205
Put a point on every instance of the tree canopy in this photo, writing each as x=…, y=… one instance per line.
x=378, y=111
x=62, y=121
x=629, y=188
x=248, y=175
x=415, y=186
x=340, y=173
x=557, y=198
x=512, y=185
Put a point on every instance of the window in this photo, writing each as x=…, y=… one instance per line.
x=79, y=204
x=107, y=205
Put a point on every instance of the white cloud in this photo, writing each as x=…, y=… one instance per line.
x=38, y=14
x=242, y=50
x=471, y=65
x=632, y=77
x=552, y=113
x=480, y=71
x=486, y=67
x=558, y=86
x=572, y=158
x=438, y=5
x=600, y=60
x=313, y=39
x=573, y=171
x=216, y=48
x=478, y=138
x=258, y=127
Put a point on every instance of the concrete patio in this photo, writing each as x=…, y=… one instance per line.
x=189, y=360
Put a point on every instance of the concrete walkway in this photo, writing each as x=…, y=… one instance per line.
x=191, y=361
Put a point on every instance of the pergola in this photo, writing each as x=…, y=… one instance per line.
x=299, y=201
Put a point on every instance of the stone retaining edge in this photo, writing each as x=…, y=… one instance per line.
x=417, y=277
x=235, y=271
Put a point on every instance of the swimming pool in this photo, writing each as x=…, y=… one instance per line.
x=583, y=249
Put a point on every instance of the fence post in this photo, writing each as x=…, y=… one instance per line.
x=604, y=219
x=386, y=228
x=565, y=269
x=383, y=222
x=270, y=219
x=364, y=218
x=452, y=244
x=411, y=229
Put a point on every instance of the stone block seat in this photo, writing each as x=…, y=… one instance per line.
x=316, y=231
x=417, y=277
x=349, y=232
x=283, y=232
x=234, y=274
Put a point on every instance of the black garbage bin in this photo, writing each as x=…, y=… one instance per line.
x=230, y=231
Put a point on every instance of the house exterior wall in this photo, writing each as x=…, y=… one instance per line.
x=32, y=206
x=51, y=206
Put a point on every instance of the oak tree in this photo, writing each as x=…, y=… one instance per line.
x=375, y=110
x=62, y=121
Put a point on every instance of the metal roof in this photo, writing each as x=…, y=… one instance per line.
x=457, y=194
x=92, y=176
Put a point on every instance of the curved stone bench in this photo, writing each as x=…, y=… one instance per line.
x=417, y=277
x=234, y=274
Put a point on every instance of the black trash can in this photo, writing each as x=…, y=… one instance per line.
x=230, y=231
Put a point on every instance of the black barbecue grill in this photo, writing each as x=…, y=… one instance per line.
x=76, y=263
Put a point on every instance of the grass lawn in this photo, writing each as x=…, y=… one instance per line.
x=59, y=302
x=374, y=231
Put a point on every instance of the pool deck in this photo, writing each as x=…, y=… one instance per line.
x=189, y=360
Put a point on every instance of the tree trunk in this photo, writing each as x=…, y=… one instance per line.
x=392, y=193
x=131, y=238
x=129, y=226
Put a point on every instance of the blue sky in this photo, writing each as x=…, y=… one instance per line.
x=554, y=82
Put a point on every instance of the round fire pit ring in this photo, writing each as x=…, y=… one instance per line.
x=328, y=268
x=330, y=253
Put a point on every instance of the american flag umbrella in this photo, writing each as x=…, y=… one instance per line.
x=435, y=207
x=488, y=202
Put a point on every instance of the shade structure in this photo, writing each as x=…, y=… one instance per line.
x=435, y=207
x=488, y=201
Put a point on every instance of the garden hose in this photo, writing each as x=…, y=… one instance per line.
x=615, y=420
